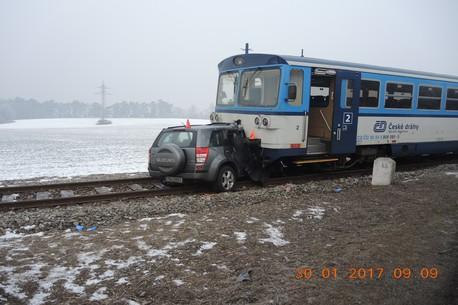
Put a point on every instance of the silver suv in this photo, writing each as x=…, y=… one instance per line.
x=216, y=153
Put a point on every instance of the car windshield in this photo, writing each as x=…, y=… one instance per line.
x=227, y=86
x=179, y=137
x=260, y=87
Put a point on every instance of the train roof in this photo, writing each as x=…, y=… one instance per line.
x=266, y=59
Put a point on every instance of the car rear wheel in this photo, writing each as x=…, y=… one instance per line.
x=225, y=181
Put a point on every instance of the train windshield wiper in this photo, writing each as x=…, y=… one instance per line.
x=245, y=86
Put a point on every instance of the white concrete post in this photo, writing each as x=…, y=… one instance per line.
x=383, y=171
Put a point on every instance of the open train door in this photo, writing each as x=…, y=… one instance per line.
x=345, y=118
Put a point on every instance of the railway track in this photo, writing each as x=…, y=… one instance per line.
x=152, y=187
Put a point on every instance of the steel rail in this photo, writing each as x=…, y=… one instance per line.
x=194, y=188
x=63, y=185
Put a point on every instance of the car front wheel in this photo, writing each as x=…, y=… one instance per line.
x=225, y=181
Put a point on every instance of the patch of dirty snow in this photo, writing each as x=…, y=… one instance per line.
x=180, y=215
x=170, y=246
x=220, y=267
x=143, y=226
x=316, y=212
x=179, y=223
x=452, y=174
x=142, y=245
x=205, y=246
x=168, y=222
x=107, y=275
x=158, y=253
x=28, y=227
x=121, y=264
x=99, y=294
x=11, y=235
x=131, y=302
x=275, y=236
x=178, y=282
x=159, y=277
x=86, y=259
x=146, y=219
x=56, y=274
x=252, y=220
x=71, y=234
x=240, y=236
x=122, y=280
x=298, y=213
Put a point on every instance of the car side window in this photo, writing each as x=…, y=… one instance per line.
x=229, y=139
x=216, y=138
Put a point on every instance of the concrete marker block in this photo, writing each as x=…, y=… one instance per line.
x=383, y=171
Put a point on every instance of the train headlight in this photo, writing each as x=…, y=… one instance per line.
x=239, y=60
x=265, y=122
x=257, y=121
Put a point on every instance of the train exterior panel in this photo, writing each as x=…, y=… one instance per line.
x=304, y=107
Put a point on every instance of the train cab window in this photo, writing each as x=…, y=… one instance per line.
x=297, y=78
x=260, y=87
x=398, y=96
x=429, y=98
x=452, y=99
x=227, y=86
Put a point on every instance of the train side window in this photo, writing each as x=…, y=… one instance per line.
x=368, y=94
x=297, y=78
x=452, y=99
x=429, y=98
x=398, y=96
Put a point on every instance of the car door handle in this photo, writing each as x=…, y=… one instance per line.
x=339, y=133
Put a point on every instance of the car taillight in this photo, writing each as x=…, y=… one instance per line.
x=201, y=157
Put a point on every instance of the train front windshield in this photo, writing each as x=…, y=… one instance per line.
x=254, y=88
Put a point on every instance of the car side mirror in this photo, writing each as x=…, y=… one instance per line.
x=292, y=92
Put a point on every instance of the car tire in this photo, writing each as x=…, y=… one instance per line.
x=225, y=180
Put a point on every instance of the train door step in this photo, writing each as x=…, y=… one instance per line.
x=316, y=146
x=308, y=161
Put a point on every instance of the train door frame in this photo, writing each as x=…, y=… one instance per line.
x=345, y=119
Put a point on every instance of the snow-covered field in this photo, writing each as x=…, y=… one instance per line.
x=73, y=147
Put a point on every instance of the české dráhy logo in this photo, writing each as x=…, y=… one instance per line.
x=380, y=126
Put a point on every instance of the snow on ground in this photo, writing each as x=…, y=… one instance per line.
x=275, y=236
x=11, y=235
x=316, y=212
x=452, y=174
x=298, y=213
x=252, y=220
x=205, y=246
x=99, y=294
x=89, y=148
x=240, y=236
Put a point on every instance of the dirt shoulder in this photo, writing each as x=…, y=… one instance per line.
x=250, y=247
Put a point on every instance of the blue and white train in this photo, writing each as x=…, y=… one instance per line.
x=306, y=109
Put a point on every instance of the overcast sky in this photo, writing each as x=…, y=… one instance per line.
x=149, y=50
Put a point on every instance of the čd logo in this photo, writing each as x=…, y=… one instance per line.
x=380, y=126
